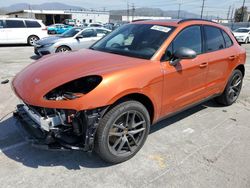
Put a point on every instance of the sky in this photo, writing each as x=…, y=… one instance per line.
x=212, y=7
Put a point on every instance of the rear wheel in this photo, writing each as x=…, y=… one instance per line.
x=122, y=132
x=32, y=40
x=232, y=90
x=62, y=49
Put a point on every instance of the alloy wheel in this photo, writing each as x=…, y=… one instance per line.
x=235, y=87
x=126, y=133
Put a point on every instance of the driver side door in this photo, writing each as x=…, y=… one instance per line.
x=89, y=36
x=185, y=83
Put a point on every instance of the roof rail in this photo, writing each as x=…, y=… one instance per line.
x=194, y=19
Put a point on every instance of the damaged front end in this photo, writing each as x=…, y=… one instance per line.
x=59, y=128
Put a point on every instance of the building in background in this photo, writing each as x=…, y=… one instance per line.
x=59, y=16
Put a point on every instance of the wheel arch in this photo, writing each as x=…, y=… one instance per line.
x=241, y=67
x=142, y=98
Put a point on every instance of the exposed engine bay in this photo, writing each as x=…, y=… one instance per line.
x=57, y=128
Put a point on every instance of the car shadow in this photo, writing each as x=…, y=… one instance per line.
x=13, y=45
x=35, y=57
x=71, y=159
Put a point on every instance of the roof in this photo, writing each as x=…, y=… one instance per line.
x=173, y=22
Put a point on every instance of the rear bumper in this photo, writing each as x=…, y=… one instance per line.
x=58, y=139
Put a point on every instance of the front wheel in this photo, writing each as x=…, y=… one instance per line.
x=122, y=132
x=247, y=40
x=232, y=90
x=62, y=49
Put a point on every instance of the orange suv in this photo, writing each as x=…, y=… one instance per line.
x=107, y=97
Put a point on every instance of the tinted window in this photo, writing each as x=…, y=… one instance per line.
x=32, y=23
x=1, y=24
x=214, y=39
x=102, y=31
x=189, y=38
x=15, y=24
x=228, y=40
x=88, y=33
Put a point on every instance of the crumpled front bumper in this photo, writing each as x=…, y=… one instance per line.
x=39, y=137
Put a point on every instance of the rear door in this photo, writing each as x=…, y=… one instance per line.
x=3, y=33
x=220, y=54
x=16, y=31
x=184, y=83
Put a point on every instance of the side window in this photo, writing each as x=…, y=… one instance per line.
x=102, y=31
x=1, y=24
x=15, y=24
x=214, y=39
x=189, y=38
x=228, y=40
x=89, y=33
x=32, y=24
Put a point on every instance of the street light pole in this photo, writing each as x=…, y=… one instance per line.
x=242, y=11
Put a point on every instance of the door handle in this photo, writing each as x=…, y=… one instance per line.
x=233, y=57
x=203, y=65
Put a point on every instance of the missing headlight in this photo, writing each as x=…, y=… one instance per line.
x=74, y=89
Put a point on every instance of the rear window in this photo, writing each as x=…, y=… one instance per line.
x=32, y=24
x=214, y=39
x=15, y=24
x=228, y=40
x=102, y=31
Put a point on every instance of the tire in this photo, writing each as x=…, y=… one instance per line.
x=32, y=39
x=247, y=40
x=232, y=90
x=62, y=49
x=117, y=141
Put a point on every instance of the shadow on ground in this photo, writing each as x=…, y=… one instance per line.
x=13, y=45
x=73, y=160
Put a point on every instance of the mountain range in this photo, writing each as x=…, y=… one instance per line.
x=60, y=6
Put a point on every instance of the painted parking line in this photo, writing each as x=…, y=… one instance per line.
x=13, y=146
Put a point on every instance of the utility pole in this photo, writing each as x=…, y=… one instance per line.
x=202, y=8
x=242, y=11
x=179, y=10
x=232, y=14
x=133, y=11
x=228, y=13
x=127, y=11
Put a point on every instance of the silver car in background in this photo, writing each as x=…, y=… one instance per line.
x=73, y=39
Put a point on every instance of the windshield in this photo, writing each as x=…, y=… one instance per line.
x=242, y=30
x=72, y=32
x=135, y=40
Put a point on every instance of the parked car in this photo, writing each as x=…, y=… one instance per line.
x=95, y=25
x=58, y=28
x=73, y=39
x=21, y=31
x=107, y=97
x=242, y=35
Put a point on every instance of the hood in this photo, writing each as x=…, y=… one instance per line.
x=237, y=34
x=48, y=40
x=37, y=79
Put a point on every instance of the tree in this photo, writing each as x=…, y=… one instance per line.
x=240, y=13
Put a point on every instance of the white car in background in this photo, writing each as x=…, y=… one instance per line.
x=242, y=35
x=74, y=39
x=21, y=31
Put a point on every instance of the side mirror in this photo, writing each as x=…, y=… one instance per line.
x=79, y=36
x=182, y=53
